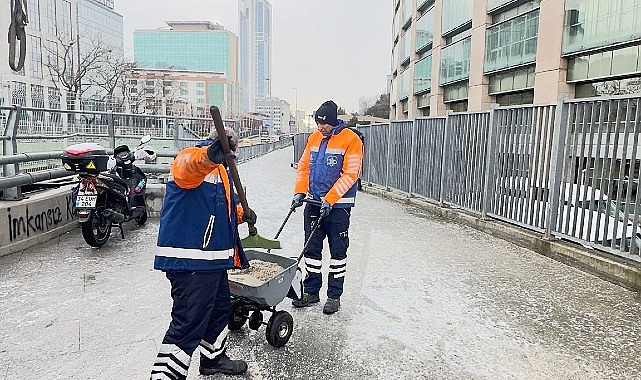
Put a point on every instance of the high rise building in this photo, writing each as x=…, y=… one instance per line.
x=57, y=29
x=255, y=24
x=199, y=47
x=469, y=54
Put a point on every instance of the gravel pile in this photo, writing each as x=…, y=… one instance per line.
x=258, y=273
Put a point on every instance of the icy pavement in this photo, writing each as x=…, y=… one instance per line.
x=424, y=299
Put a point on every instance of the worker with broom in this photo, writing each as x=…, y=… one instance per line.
x=198, y=242
x=327, y=171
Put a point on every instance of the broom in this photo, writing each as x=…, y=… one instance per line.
x=253, y=240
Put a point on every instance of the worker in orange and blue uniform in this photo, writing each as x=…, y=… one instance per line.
x=198, y=242
x=328, y=172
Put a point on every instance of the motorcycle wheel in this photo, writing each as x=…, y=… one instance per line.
x=142, y=218
x=96, y=230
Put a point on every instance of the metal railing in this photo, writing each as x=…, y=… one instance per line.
x=568, y=170
x=33, y=140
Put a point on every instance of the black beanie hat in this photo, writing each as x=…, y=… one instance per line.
x=327, y=113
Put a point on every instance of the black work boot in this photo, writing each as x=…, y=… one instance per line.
x=306, y=300
x=332, y=305
x=223, y=364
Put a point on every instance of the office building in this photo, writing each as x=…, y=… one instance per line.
x=198, y=47
x=465, y=55
x=279, y=111
x=255, y=24
x=57, y=29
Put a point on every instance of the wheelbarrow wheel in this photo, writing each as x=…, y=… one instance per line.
x=237, y=317
x=279, y=328
x=255, y=320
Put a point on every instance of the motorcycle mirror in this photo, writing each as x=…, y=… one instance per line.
x=145, y=139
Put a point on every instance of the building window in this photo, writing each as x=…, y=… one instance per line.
x=455, y=61
x=455, y=15
x=516, y=98
x=403, y=77
x=424, y=28
x=592, y=24
x=33, y=8
x=605, y=64
x=423, y=75
x=458, y=106
x=512, y=42
x=455, y=92
x=608, y=88
x=35, y=48
x=51, y=17
x=509, y=81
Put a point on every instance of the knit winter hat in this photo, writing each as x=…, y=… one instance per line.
x=327, y=113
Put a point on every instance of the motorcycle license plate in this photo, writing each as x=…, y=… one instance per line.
x=86, y=201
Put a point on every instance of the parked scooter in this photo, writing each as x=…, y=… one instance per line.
x=111, y=189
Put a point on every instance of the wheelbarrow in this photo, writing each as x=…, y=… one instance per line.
x=249, y=302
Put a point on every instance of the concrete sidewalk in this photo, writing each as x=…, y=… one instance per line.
x=425, y=298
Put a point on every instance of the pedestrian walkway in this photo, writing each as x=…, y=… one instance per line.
x=424, y=299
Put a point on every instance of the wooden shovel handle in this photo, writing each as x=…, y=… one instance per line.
x=231, y=163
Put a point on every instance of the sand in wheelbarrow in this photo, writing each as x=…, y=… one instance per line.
x=258, y=273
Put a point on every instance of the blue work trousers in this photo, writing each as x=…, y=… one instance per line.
x=335, y=227
x=199, y=317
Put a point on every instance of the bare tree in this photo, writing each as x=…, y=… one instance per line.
x=71, y=66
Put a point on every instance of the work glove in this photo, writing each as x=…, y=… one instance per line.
x=325, y=209
x=215, y=150
x=297, y=201
x=249, y=216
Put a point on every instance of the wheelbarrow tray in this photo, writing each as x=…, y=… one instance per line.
x=274, y=290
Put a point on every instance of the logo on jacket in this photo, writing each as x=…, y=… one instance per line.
x=331, y=161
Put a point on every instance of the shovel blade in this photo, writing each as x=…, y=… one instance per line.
x=257, y=241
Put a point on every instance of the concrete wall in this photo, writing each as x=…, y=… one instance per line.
x=48, y=214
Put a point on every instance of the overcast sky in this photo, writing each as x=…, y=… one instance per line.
x=327, y=49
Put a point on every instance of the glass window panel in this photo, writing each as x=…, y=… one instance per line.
x=577, y=68
x=455, y=13
x=520, y=79
x=455, y=62
x=600, y=64
x=512, y=42
x=597, y=23
x=624, y=60
x=424, y=28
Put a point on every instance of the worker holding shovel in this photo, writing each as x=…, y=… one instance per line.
x=327, y=171
x=198, y=242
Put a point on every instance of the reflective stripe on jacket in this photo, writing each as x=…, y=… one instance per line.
x=198, y=230
x=330, y=166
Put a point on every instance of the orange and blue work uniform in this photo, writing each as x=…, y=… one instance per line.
x=198, y=242
x=328, y=170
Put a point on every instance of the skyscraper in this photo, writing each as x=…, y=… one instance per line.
x=255, y=24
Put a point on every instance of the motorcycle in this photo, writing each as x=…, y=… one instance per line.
x=111, y=190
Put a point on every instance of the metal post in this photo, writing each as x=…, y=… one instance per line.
x=10, y=147
x=111, y=130
x=388, y=158
x=490, y=159
x=556, y=164
x=412, y=157
x=441, y=199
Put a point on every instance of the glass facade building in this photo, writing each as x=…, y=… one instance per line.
x=53, y=26
x=197, y=47
x=255, y=22
x=488, y=52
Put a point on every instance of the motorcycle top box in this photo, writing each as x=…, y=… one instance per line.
x=85, y=158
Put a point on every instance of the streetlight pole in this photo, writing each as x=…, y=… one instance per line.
x=295, y=107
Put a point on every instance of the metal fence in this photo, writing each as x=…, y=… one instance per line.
x=569, y=170
x=34, y=138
